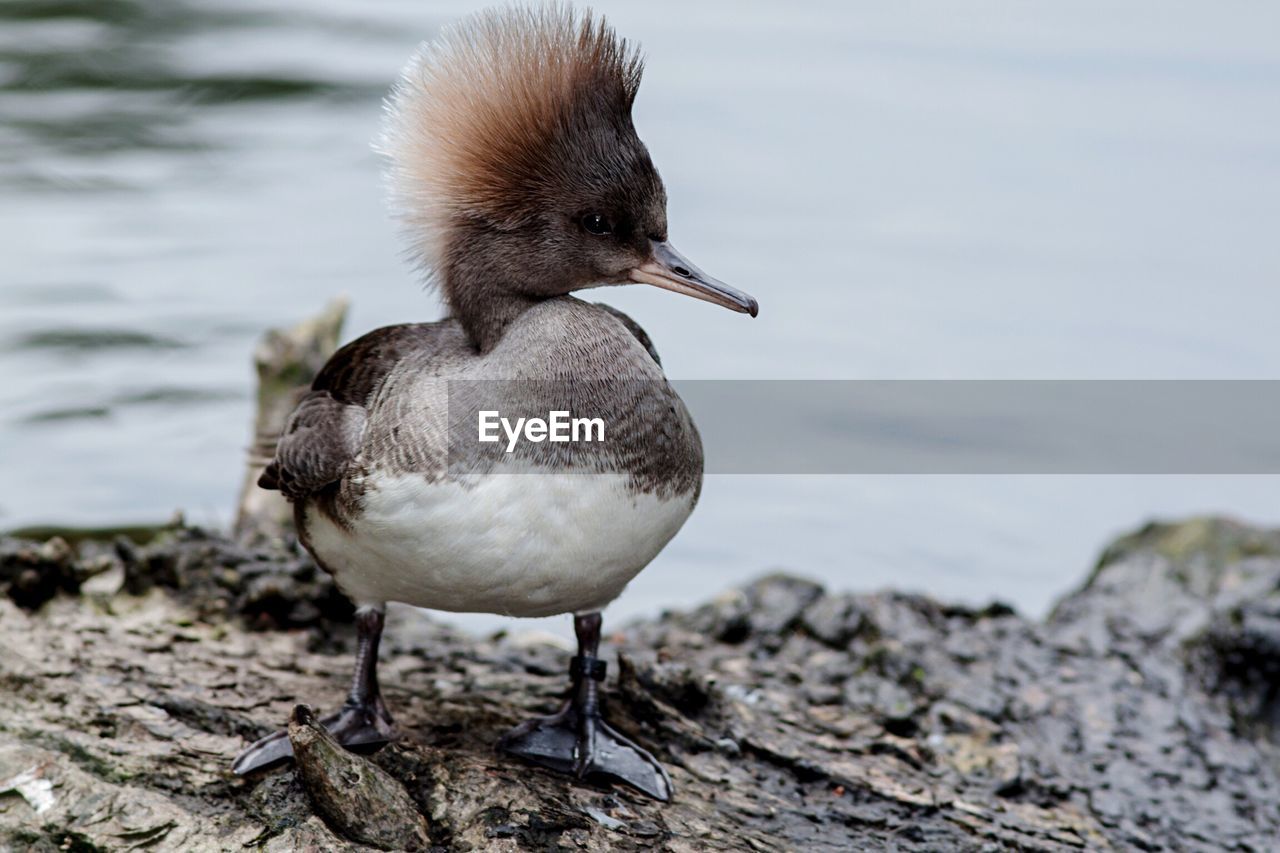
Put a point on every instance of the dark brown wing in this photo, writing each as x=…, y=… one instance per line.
x=320, y=438
x=641, y=335
x=322, y=435
x=355, y=371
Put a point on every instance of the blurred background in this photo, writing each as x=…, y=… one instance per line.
x=922, y=190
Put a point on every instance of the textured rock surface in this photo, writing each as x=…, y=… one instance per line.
x=1141, y=714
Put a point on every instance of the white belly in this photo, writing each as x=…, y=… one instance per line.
x=516, y=544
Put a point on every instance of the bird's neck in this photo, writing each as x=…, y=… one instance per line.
x=483, y=293
x=486, y=315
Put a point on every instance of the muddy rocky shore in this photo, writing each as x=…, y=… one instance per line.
x=1142, y=714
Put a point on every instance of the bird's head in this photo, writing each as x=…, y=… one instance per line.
x=517, y=171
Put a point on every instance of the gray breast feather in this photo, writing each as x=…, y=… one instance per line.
x=320, y=440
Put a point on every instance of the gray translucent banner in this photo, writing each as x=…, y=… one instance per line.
x=905, y=427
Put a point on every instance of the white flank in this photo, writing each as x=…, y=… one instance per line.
x=533, y=544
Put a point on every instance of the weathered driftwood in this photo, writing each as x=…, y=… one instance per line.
x=286, y=360
x=1141, y=714
x=357, y=798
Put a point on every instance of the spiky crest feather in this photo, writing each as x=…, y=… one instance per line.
x=476, y=126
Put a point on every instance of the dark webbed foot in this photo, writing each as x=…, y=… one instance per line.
x=363, y=724
x=589, y=748
x=360, y=728
x=577, y=740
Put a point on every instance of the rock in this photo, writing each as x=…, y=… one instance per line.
x=33, y=573
x=354, y=796
x=1163, y=583
x=1141, y=714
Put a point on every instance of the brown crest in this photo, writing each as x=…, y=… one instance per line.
x=489, y=120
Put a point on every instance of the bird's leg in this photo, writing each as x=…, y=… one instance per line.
x=362, y=724
x=576, y=739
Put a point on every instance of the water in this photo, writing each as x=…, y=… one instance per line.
x=911, y=191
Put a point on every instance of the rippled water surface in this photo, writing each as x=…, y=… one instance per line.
x=911, y=191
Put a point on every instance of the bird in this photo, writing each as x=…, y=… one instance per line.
x=518, y=177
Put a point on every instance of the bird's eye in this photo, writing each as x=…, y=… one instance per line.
x=597, y=224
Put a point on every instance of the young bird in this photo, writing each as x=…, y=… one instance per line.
x=520, y=179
